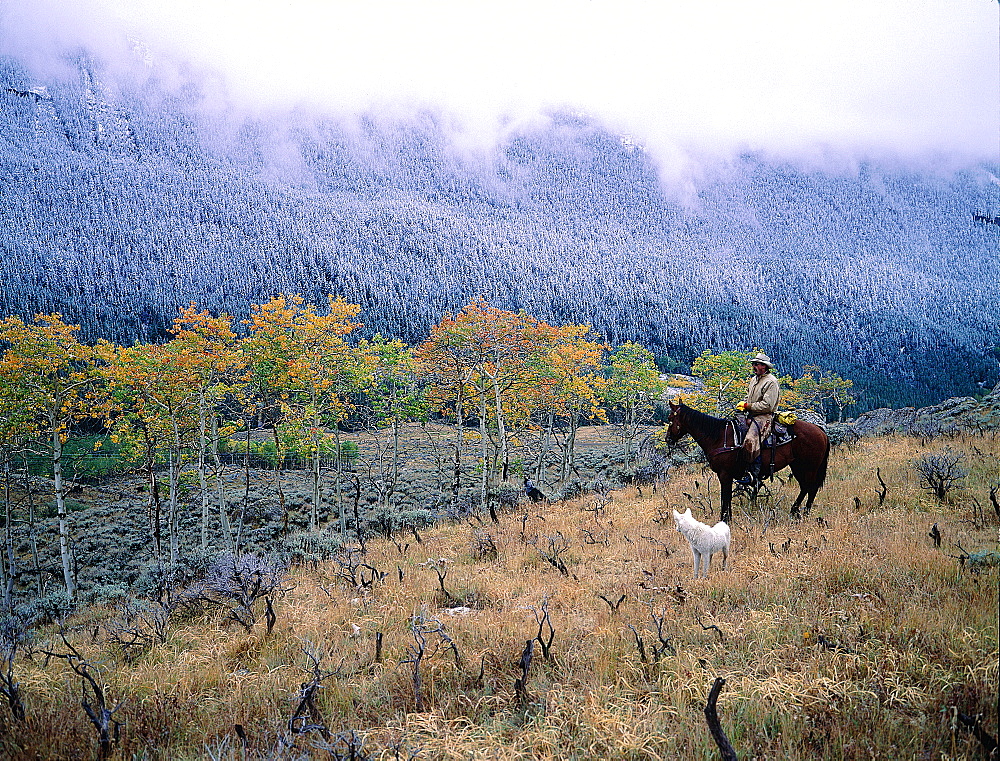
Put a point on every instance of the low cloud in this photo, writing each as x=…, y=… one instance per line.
x=788, y=78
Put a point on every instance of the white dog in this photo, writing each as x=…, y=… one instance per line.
x=705, y=540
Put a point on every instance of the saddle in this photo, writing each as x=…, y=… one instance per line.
x=779, y=435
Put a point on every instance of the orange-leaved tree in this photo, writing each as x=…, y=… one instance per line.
x=208, y=346
x=484, y=360
x=151, y=406
x=55, y=375
x=447, y=364
x=570, y=391
x=303, y=356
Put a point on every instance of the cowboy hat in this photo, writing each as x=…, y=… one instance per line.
x=762, y=359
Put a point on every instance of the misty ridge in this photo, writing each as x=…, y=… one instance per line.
x=123, y=202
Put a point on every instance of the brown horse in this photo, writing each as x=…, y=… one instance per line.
x=807, y=454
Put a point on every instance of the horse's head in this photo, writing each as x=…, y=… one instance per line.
x=675, y=423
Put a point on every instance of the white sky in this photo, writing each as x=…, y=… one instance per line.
x=911, y=77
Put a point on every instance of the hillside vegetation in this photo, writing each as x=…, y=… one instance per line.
x=846, y=635
x=124, y=201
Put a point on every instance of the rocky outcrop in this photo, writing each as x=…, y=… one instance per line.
x=950, y=416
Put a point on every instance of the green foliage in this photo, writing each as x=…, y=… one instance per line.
x=311, y=545
x=820, y=389
x=417, y=518
x=50, y=510
x=394, y=394
x=668, y=365
x=635, y=383
x=39, y=611
x=722, y=377
x=386, y=521
x=85, y=458
x=294, y=453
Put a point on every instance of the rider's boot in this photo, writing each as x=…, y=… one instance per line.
x=752, y=475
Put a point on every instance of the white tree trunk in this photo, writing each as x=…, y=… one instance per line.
x=6, y=580
x=395, y=461
x=175, y=477
x=314, y=514
x=202, y=476
x=501, y=426
x=220, y=487
x=483, y=452
x=459, y=433
x=57, y=478
x=574, y=426
x=543, y=448
x=340, y=477
x=11, y=564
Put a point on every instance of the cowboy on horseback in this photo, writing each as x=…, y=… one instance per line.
x=760, y=406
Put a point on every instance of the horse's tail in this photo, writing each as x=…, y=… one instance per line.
x=821, y=471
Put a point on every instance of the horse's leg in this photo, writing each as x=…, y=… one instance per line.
x=803, y=491
x=726, y=491
x=696, y=559
x=817, y=477
x=798, y=501
x=809, y=502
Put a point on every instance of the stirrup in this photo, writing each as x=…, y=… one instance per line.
x=747, y=479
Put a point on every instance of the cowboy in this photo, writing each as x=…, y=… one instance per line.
x=760, y=405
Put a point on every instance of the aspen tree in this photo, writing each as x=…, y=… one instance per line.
x=572, y=386
x=56, y=374
x=208, y=344
x=394, y=398
x=304, y=357
x=152, y=405
x=633, y=389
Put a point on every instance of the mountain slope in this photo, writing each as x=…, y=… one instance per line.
x=121, y=203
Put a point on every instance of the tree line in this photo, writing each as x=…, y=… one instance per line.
x=294, y=371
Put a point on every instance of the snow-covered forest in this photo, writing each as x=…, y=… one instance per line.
x=120, y=204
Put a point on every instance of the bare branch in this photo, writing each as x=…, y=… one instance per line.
x=715, y=727
x=710, y=627
x=544, y=622
x=521, y=683
x=94, y=700
x=883, y=490
x=613, y=605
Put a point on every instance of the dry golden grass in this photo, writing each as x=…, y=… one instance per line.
x=845, y=635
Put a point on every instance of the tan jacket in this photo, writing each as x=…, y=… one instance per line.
x=763, y=395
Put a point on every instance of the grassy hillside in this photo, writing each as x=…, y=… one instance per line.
x=847, y=635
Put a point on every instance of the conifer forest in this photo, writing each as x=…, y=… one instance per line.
x=123, y=203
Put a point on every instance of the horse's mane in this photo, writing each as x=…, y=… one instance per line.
x=705, y=423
